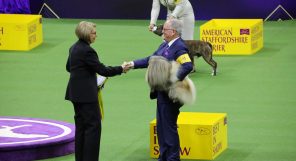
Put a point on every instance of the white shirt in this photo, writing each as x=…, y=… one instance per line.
x=175, y=8
x=172, y=41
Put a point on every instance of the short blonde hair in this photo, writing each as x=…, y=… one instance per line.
x=84, y=29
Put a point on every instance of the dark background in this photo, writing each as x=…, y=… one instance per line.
x=140, y=9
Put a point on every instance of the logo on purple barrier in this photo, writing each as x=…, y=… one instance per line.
x=244, y=31
x=27, y=131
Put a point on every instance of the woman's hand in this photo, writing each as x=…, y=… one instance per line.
x=151, y=27
x=126, y=66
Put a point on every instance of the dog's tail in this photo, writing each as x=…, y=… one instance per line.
x=183, y=91
x=211, y=46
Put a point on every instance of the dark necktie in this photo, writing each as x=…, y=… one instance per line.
x=166, y=50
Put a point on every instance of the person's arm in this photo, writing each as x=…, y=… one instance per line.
x=186, y=64
x=94, y=63
x=154, y=13
x=68, y=61
x=141, y=63
x=68, y=65
x=144, y=62
x=180, y=5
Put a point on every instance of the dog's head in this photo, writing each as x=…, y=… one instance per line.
x=158, y=30
x=158, y=73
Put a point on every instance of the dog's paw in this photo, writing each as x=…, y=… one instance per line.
x=214, y=73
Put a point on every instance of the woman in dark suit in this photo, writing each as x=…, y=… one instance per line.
x=83, y=64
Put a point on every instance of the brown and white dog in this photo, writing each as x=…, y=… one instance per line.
x=161, y=75
x=196, y=48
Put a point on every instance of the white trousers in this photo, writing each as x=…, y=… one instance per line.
x=188, y=21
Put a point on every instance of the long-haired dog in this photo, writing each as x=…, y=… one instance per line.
x=161, y=75
x=196, y=48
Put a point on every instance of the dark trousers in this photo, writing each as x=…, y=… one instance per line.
x=88, y=131
x=167, y=133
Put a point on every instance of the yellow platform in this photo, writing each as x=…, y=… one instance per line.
x=20, y=31
x=202, y=135
x=233, y=36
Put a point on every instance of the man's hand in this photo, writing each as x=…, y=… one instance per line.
x=126, y=66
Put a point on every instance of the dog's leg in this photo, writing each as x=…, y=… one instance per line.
x=207, y=56
x=214, y=73
x=191, y=55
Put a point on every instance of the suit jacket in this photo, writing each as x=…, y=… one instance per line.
x=83, y=64
x=176, y=51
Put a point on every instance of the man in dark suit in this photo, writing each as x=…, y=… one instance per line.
x=83, y=64
x=173, y=49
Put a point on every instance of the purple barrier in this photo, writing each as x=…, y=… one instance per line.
x=15, y=6
x=140, y=9
x=269, y=10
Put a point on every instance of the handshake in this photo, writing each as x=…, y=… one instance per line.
x=126, y=66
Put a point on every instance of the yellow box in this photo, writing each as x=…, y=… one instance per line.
x=202, y=135
x=20, y=32
x=233, y=36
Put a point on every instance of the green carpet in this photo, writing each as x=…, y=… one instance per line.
x=257, y=92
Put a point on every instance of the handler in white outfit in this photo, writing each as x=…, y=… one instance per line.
x=180, y=9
